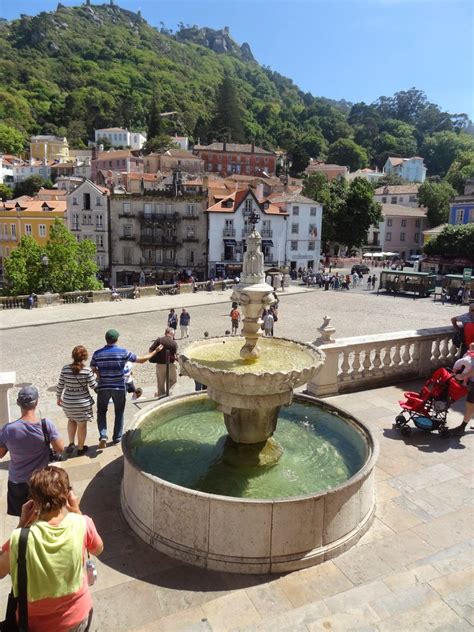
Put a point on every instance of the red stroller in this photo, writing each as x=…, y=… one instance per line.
x=428, y=409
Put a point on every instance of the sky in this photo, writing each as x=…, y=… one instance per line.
x=356, y=50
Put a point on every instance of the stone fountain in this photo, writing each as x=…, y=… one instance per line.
x=249, y=501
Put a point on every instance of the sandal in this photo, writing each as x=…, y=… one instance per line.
x=70, y=448
x=82, y=451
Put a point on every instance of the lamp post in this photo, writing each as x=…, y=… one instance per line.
x=45, y=264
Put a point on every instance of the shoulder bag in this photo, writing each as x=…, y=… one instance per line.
x=53, y=455
x=21, y=603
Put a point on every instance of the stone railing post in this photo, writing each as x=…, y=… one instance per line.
x=325, y=381
x=7, y=381
x=424, y=363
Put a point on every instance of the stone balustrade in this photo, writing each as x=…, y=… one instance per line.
x=365, y=362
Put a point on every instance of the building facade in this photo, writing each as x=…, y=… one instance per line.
x=27, y=217
x=401, y=194
x=229, y=228
x=159, y=234
x=400, y=231
x=54, y=148
x=88, y=218
x=120, y=137
x=120, y=161
x=173, y=159
x=462, y=209
x=303, y=230
x=25, y=169
x=330, y=171
x=228, y=158
x=410, y=169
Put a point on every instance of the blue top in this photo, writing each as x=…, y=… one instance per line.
x=110, y=362
x=28, y=451
x=184, y=319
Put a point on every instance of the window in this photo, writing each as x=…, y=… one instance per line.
x=13, y=229
x=87, y=201
x=127, y=230
x=389, y=222
x=412, y=198
x=127, y=207
x=404, y=223
x=190, y=209
x=98, y=221
x=459, y=216
x=417, y=237
x=313, y=211
x=99, y=241
x=384, y=200
x=294, y=245
x=296, y=210
x=98, y=201
x=313, y=230
x=170, y=255
x=147, y=209
x=101, y=261
x=295, y=229
x=191, y=256
x=74, y=201
x=158, y=256
x=400, y=199
x=393, y=199
x=311, y=245
x=28, y=229
x=42, y=230
x=248, y=205
x=75, y=221
x=417, y=223
x=388, y=237
x=402, y=236
x=127, y=256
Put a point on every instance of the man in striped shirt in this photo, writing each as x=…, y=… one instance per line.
x=109, y=363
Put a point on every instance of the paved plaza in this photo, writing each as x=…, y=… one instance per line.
x=413, y=570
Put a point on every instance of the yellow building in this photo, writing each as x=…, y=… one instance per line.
x=25, y=216
x=49, y=148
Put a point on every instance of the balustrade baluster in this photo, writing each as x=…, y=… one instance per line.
x=377, y=361
x=345, y=366
x=436, y=351
x=407, y=358
x=356, y=365
x=386, y=359
x=366, y=363
x=397, y=358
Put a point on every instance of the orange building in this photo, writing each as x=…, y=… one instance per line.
x=25, y=216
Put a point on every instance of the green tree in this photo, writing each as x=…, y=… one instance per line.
x=31, y=185
x=436, y=196
x=316, y=187
x=387, y=180
x=358, y=214
x=441, y=148
x=453, y=241
x=461, y=170
x=347, y=153
x=299, y=160
x=5, y=192
x=155, y=121
x=157, y=144
x=23, y=270
x=227, y=122
x=11, y=140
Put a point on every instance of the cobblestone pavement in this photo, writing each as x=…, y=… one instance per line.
x=413, y=570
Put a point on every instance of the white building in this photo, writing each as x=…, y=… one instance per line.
x=402, y=194
x=371, y=175
x=26, y=169
x=6, y=169
x=410, y=169
x=120, y=137
x=88, y=218
x=228, y=228
x=303, y=234
x=181, y=141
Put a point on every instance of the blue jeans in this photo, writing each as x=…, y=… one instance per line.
x=118, y=397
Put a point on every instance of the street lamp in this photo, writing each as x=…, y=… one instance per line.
x=45, y=264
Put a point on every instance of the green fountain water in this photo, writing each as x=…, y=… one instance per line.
x=187, y=444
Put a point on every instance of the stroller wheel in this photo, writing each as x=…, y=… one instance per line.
x=405, y=430
x=400, y=420
x=443, y=432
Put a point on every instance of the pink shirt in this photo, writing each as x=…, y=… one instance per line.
x=63, y=613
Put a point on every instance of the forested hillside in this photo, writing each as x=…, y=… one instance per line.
x=81, y=68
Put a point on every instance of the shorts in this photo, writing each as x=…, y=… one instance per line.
x=18, y=494
x=470, y=393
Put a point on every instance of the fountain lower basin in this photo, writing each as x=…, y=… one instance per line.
x=221, y=531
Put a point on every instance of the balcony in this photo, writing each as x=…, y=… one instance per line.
x=266, y=233
x=75, y=227
x=99, y=228
x=158, y=240
x=192, y=216
x=190, y=238
x=159, y=217
x=127, y=215
x=228, y=232
x=127, y=238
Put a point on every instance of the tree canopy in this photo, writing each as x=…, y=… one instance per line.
x=453, y=241
x=31, y=185
x=436, y=196
x=71, y=264
x=347, y=153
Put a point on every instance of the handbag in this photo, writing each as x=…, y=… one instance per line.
x=10, y=624
x=53, y=455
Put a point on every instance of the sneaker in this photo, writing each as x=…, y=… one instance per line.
x=70, y=448
x=102, y=444
x=116, y=441
x=82, y=451
x=138, y=393
x=458, y=430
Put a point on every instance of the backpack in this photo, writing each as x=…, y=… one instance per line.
x=234, y=314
